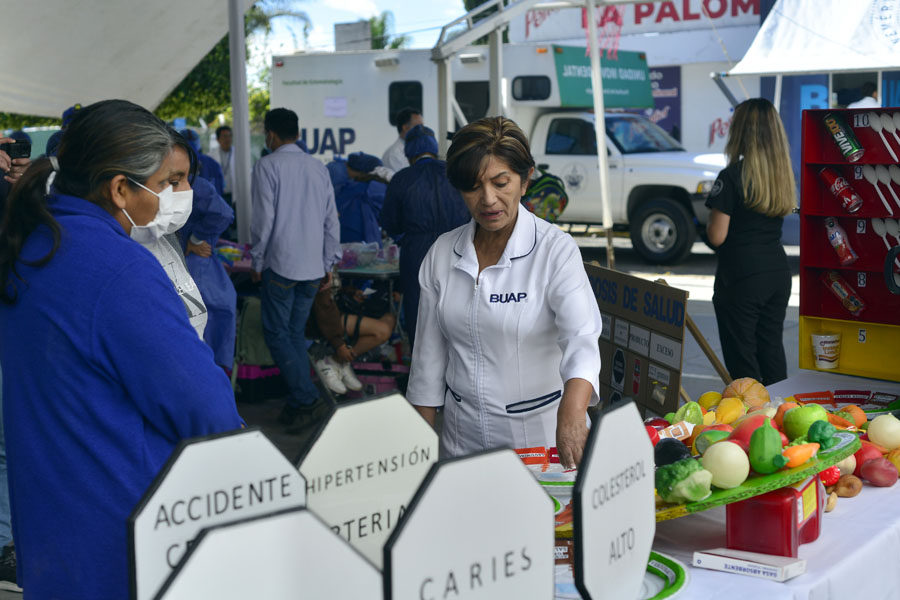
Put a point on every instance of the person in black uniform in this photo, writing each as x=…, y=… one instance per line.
x=748, y=203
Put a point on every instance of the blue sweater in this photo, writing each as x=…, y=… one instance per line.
x=103, y=375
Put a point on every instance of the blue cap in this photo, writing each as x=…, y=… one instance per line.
x=192, y=138
x=20, y=136
x=53, y=143
x=360, y=161
x=420, y=140
x=69, y=114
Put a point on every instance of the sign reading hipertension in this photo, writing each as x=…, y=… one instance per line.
x=284, y=556
x=642, y=342
x=207, y=481
x=614, y=513
x=480, y=527
x=363, y=467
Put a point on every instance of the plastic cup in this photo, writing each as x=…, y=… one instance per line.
x=826, y=350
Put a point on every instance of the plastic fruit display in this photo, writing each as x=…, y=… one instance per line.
x=728, y=464
x=752, y=392
x=709, y=399
x=884, y=430
x=730, y=410
x=797, y=420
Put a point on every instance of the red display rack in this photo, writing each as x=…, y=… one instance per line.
x=870, y=342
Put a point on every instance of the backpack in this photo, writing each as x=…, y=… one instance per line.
x=546, y=196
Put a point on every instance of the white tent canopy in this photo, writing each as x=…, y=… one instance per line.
x=59, y=52
x=822, y=36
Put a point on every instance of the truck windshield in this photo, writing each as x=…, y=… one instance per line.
x=633, y=134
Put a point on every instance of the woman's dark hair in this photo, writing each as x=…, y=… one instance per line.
x=473, y=144
x=105, y=139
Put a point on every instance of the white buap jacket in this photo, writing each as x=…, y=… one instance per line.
x=495, y=349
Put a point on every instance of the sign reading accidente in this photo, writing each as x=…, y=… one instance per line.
x=206, y=482
x=641, y=351
x=364, y=466
x=479, y=528
x=276, y=557
x=614, y=509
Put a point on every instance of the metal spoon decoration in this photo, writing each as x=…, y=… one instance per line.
x=880, y=229
x=875, y=123
x=896, y=120
x=868, y=172
x=887, y=122
x=884, y=176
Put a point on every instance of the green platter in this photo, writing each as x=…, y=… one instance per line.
x=760, y=484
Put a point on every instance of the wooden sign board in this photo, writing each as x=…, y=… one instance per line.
x=364, y=466
x=207, y=481
x=642, y=343
x=284, y=556
x=480, y=528
x=613, y=507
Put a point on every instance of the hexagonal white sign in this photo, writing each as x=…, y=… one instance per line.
x=614, y=510
x=284, y=556
x=207, y=481
x=364, y=466
x=479, y=528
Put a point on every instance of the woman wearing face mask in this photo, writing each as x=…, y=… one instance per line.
x=158, y=236
x=105, y=373
x=508, y=324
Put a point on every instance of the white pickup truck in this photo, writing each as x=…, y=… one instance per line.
x=347, y=102
x=657, y=189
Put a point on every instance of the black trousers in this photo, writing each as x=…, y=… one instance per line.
x=750, y=314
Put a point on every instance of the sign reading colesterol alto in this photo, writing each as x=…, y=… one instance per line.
x=207, y=481
x=614, y=512
x=364, y=466
x=284, y=556
x=479, y=528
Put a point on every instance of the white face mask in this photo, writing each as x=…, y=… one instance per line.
x=174, y=210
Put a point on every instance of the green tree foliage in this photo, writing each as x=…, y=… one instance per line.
x=382, y=28
x=206, y=91
x=471, y=5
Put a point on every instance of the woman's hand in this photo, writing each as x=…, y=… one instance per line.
x=344, y=354
x=571, y=422
x=203, y=249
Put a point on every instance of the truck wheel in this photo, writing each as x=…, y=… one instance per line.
x=662, y=231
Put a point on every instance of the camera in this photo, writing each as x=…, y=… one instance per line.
x=17, y=149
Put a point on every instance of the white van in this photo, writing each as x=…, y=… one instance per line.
x=347, y=102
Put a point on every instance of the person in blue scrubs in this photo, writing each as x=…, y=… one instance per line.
x=209, y=169
x=209, y=219
x=104, y=374
x=420, y=205
x=359, y=197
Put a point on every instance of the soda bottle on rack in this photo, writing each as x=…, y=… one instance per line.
x=838, y=238
x=840, y=188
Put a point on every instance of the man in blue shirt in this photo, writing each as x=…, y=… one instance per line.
x=295, y=234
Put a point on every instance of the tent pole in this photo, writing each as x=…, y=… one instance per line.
x=777, y=100
x=240, y=107
x=600, y=132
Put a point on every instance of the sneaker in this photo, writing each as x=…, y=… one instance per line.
x=330, y=372
x=349, y=378
x=8, y=569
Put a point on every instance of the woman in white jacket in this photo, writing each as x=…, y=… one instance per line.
x=508, y=328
